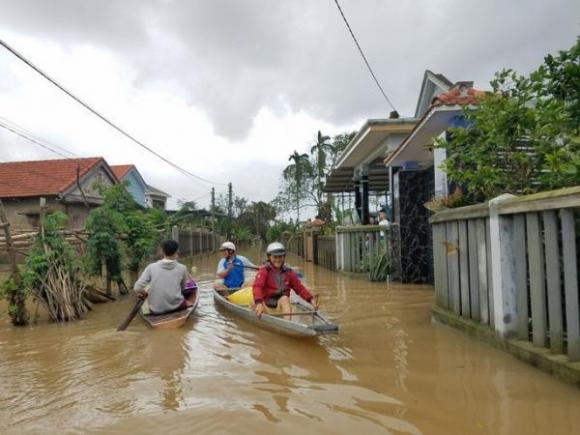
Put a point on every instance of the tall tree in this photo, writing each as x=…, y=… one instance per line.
x=319, y=151
x=339, y=144
x=296, y=172
x=257, y=218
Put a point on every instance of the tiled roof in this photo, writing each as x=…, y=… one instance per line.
x=121, y=170
x=462, y=93
x=42, y=177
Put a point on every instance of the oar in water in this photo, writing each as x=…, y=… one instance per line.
x=132, y=314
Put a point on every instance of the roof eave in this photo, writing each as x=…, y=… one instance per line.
x=418, y=126
x=365, y=129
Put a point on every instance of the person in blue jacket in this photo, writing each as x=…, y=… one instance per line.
x=230, y=269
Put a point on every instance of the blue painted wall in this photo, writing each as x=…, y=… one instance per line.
x=136, y=187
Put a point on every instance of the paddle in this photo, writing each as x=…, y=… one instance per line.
x=132, y=314
x=298, y=273
x=246, y=267
x=296, y=313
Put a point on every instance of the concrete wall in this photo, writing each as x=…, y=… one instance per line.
x=23, y=213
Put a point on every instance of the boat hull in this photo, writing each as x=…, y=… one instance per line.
x=308, y=325
x=170, y=320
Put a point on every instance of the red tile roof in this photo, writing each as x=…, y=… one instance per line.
x=121, y=170
x=462, y=93
x=42, y=177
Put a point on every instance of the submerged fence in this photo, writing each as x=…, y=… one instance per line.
x=513, y=264
x=326, y=252
x=295, y=244
x=358, y=246
x=195, y=241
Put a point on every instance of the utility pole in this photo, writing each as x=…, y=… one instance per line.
x=230, y=205
x=213, y=209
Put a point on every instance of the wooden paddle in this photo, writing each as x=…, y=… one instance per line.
x=295, y=313
x=298, y=273
x=132, y=314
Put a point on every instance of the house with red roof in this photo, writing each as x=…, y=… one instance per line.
x=445, y=111
x=69, y=185
x=416, y=172
x=390, y=163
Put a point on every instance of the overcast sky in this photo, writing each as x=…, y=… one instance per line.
x=228, y=89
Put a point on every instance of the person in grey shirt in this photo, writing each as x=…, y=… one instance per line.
x=163, y=282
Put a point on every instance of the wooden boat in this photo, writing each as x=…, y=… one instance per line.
x=171, y=320
x=303, y=322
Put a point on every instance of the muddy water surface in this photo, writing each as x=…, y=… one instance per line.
x=389, y=370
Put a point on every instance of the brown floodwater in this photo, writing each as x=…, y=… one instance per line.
x=389, y=370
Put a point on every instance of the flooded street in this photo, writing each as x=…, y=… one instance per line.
x=389, y=370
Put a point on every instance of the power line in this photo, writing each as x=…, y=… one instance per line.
x=27, y=132
x=34, y=141
x=181, y=198
x=363, y=56
x=102, y=117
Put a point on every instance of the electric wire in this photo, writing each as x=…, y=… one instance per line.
x=102, y=117
x=26, y=134
x=34, y=141
x=363, y=56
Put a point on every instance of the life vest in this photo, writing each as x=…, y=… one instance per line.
x=235, y=278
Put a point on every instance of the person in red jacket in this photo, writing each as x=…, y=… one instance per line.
x=274, y=281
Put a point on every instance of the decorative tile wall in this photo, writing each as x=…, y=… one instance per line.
x=413, y=189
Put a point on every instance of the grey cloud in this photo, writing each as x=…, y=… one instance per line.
x=234, y=57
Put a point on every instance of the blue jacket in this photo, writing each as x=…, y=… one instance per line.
x=235, y=278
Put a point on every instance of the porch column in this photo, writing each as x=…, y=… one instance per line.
x=365, y=199
x=391, y=196
x=357, y=199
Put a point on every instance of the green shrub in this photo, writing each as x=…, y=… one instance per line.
x=523, y=137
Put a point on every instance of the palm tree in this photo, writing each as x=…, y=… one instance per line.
x=320, y=149
x=297, y=171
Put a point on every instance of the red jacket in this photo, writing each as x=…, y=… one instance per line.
x=271, y=282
